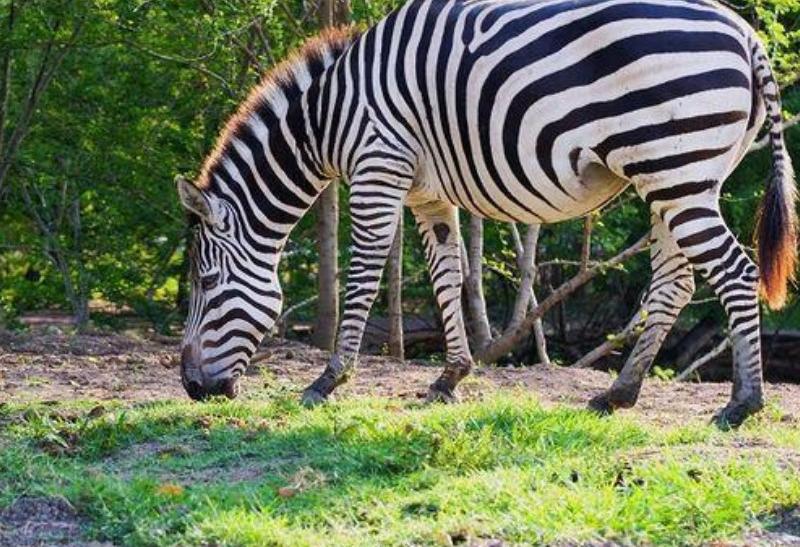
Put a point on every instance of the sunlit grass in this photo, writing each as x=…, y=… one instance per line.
x=366, y=471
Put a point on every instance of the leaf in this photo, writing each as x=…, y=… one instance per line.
x=170, y=489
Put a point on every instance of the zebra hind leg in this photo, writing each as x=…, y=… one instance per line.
x=438, y=225
x=671, y=288
x=712, y=249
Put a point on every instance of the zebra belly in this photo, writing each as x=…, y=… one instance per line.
x=594, y=186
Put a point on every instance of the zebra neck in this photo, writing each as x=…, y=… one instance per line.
x=281, y=151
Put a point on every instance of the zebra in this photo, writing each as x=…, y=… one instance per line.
x=531, y=111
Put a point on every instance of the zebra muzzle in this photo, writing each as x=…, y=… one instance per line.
x=197, y=385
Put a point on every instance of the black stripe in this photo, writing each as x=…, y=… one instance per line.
x=674, y=161
x=679, y=191
x=671, y=128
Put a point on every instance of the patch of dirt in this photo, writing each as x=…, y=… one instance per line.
x=782, y=530
x=57, y=367
x=124, y=465
x=787, y=523
x=42, y=521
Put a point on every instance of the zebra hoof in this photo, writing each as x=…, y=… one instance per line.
x=735, y=413
x=437, y=394
x=600, y=404
x=312, y=397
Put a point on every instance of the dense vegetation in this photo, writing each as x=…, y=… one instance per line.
x=102, y=102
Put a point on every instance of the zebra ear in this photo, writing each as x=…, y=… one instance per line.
x=194, y=200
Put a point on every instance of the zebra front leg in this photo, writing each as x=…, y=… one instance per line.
x=374, y=210
x=671, y=288
x=437, y=223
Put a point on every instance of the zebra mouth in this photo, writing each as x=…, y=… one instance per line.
x=229, y=387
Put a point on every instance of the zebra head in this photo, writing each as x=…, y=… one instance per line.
x=235, y=295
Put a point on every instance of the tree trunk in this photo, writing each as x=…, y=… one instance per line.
x=49, y=221
x=328, y=280
x=5, y=79
x=478, y=318
x=331, y=12
x=394, y=272
x=526, y=296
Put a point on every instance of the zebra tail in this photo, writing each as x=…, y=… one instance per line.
x=776, y=225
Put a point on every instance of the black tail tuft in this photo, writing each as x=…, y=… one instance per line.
x=777, y=218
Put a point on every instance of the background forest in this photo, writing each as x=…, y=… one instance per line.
x=103, y=102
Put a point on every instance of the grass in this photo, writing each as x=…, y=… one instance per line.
x=366, y=471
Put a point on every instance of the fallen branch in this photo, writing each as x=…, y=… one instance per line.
x=511, y=338
x=631, y=331
x=280, y=324
x=722, y=346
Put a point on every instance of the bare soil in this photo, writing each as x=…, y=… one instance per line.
x=34, y=521
x=58, y=367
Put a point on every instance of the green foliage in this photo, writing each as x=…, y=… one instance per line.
x=266, y=471
x=140, y=95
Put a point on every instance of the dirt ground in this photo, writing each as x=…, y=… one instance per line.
x=57, y=367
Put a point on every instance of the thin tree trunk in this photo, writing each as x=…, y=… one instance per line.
x=586, y=246
x=394, y=272
x=5, y=79
x=526, y=296
x=77, y=295
x=328, y=280
x=331, y=13
x=81, y=302
x=479, y=320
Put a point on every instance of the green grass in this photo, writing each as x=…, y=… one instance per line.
x=367, y=471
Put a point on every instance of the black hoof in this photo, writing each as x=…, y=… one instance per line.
x=601, y=405
x=438, y=394
x=734, y=413
x=312, y=397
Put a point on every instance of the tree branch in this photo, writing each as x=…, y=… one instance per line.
x=722, y=346
x=44, y=75
x=511, y=338
x=631, y=331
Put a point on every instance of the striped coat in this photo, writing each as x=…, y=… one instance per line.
x=532, y=111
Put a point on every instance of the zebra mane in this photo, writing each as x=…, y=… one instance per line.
x=290, y=77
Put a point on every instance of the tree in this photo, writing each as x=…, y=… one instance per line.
x=54, y=28
x=394, y=274
x=332, y=12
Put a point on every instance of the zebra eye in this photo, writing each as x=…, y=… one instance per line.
x=209, y=281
